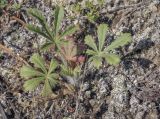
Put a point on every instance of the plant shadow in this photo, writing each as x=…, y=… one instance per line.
x=141, y=46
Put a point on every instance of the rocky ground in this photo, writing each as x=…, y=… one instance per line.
x=129, y=91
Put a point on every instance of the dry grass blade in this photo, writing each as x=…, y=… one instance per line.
x=19, y=20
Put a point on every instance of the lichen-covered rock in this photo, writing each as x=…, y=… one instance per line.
x=119, y=100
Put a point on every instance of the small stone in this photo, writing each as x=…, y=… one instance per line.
x=152, y=7
x=134, y=101
x=92, y=102
x=88, y=94
x=85, y=87
x=140, y=115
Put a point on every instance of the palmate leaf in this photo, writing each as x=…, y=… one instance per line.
x=102, y=30
x=91, y=52
x=52, y=79
x=77, y=70
x=69, y=30
x=59, y=14
x=38, y=61
x=112, y=59
x=69, y=50
x=122, y=40
x=30, y=85
x=48, y=31
x=65, y=70
x=60, y=42
x=69, y=71
x=47, y=46
x=90, y=42
x=41, y=74
x=62, y=58
x=3, y=3
x=50, y=82
x=53, y=66
x=37, y=14
x=47, y=89
x=38, y=30
x=96, y=61
x=51, y=34
x=97, y=56
x=28, y=72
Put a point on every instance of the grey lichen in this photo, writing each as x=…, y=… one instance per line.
x=119, y=100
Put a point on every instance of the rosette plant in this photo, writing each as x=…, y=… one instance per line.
x=98, y=53
x=40, y=73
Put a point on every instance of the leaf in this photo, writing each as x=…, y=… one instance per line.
x=47, y=90
x=91, y=52
x=102, y=30
x=3, y=3
x=16, y=6
x=66, y=71
x=112, y=59
x=90, y=42
x=30, y=85
x=47, y=46
x=60, y=42
x=96, y=61
x=62, y=58
x=53, y=79
x=38, y=30
x=59, y=14
x=37, y=60
x=122, y=40
x=28, y=72
x=37, y=14
x=69, y=30
x=69, y=50
x=48, y=78
x=48, y=31
x=53, y=66
x=77, y=71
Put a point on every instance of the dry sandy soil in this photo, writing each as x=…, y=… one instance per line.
x=128, y=91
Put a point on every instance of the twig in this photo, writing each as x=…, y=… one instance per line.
x=19, y=20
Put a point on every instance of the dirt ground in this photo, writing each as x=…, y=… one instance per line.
x=129, y=91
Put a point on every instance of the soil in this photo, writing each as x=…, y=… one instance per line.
x=129, y=91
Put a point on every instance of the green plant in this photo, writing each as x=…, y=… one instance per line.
x=16, y=6
x=72, y=62
x=93, y=13
x=3, y=3
x=61, y=41
x=53, y=34
x=1, y=55
x=98, y=53
x=40, y=73
x=101, y=2
x=68, y=59
x=89, y=9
